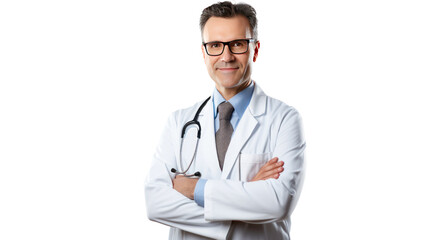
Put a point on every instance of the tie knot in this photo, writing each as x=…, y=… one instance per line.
x=225, y=110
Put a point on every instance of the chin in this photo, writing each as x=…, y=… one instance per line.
x=229, y=83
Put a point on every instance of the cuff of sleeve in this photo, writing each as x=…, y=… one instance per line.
x=199, y=192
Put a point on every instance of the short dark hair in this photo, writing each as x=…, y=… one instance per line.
x=228, y=10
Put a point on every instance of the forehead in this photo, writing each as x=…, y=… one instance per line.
x=226, y=29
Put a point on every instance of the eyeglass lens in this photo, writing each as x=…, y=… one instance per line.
x=216, y=48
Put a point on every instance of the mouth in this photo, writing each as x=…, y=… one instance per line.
x=229, y=69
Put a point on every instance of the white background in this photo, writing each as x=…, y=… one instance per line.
x=86, y=87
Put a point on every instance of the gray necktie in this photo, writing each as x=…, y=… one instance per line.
x=223, y=135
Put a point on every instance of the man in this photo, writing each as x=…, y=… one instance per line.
x=247, y=169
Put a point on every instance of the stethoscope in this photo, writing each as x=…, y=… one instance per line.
x=192, y=122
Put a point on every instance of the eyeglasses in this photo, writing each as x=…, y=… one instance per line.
x=238, y=46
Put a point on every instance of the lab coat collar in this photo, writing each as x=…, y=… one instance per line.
x=258, y=103
x=240, y=101
x=257, y=107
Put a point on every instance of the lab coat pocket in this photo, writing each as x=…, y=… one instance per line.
x=251, y=163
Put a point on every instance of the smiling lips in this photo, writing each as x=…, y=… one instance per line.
x=228, y=69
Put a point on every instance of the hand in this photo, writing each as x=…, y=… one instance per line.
x=185, y=186
x=271, y=169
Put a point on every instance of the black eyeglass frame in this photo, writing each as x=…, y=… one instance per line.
x=248, y=40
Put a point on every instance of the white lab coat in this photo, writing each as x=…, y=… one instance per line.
x=234, y=208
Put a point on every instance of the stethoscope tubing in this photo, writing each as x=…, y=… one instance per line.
x=192, y=160
x=192, y=122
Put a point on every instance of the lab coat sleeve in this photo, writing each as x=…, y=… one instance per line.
x=167, y=206
x=263, y=201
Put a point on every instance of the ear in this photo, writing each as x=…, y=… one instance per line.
x=256, y=51
x=203, y=51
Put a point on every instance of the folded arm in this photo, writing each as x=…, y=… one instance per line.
x=262, y=201
x=167, y=206
x=193, y=188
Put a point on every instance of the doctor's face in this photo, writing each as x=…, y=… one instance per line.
x=230, y=72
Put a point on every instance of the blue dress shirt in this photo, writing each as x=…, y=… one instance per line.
x=240, y=102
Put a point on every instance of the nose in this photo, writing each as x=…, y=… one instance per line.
x=227, y=56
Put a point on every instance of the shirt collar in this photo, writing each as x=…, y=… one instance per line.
x=240, y=101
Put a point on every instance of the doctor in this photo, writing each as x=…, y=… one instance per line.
x=250, y=154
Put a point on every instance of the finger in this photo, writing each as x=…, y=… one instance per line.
x=268, y=166
x=270, y=162
x=275, y=176
x=266, y=175
x=273, y=173
x=273, y=160
x=272, y=166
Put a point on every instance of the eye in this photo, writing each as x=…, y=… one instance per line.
x=215, y=45
x=237, y=44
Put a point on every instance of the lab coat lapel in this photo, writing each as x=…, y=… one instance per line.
x=244, y=129
x=239, y=138
x=208, y=155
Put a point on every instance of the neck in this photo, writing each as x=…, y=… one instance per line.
x=228, y=93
